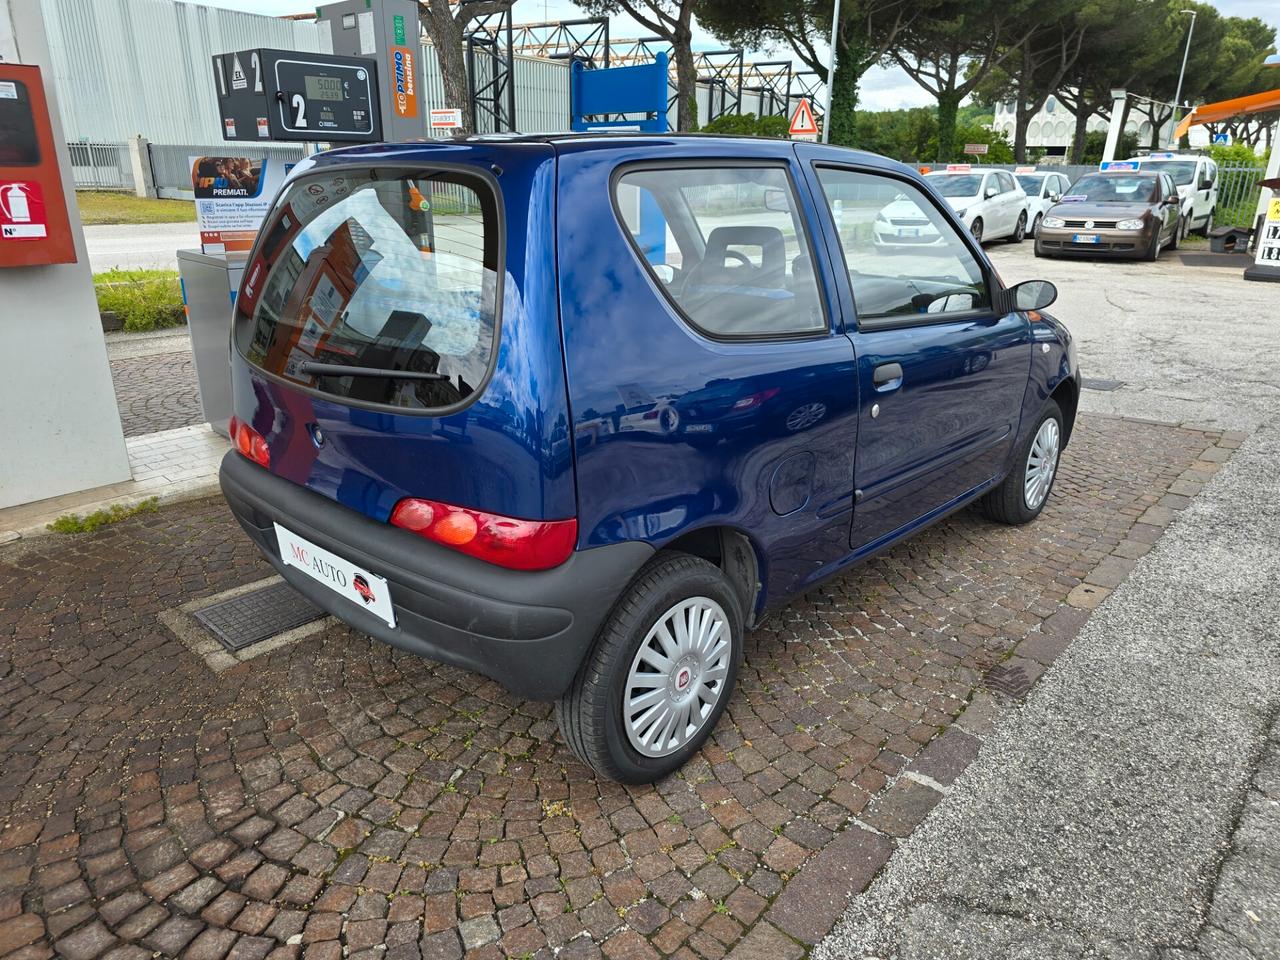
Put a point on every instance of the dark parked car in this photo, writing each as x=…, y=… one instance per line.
x=1129, y=214
x=575, y=412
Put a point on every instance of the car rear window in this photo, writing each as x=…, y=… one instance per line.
x=378, y=270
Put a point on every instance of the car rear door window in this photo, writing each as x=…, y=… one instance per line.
x=898, y=276
x=380, y=270
x=726, y=245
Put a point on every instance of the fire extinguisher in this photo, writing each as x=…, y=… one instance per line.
x=13, y=200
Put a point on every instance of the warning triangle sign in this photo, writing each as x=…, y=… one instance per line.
x=802, y=122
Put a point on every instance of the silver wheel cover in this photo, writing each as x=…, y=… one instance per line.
x=1042, y=464
x=677, y=677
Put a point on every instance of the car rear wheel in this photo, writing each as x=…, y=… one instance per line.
x=1035, y=226
x=1022, y=495
x=976, y=229
x=659, y=674
x=1208, y=224
x=1020, y=230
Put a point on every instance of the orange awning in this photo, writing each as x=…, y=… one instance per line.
x=1223, y=109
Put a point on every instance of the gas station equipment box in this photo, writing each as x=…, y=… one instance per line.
x=34, y=227
x=286, y=95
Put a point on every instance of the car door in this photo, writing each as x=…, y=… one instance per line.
x=941, y=371
x=1013, y=204
x=1169, y=207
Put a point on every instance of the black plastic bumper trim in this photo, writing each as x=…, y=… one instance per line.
x=527, y=630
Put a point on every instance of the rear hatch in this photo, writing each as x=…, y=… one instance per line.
x=396, y=334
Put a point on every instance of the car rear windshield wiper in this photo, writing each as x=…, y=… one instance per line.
x=316, y=369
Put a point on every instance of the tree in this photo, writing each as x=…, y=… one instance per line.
x=868, y=30
x=672, y=20
x=1053, y=34
x=950, y=52
x=446, y=24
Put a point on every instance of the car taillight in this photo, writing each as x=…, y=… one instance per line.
x=755, y=399
x=505, y=541
x=249, y=442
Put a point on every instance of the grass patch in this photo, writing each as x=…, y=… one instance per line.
x=107, y=206
x=74, y=523
x=143, y=299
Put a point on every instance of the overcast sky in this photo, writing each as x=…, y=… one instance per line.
x=881, y=89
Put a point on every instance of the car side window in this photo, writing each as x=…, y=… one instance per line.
x=727, y=246
x=1005, y=181
x=906, y=262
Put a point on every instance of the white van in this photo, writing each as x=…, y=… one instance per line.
x=1196, y=178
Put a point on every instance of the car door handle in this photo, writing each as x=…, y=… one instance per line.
x=887, y=376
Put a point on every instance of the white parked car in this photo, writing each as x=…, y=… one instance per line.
x=1043, y=190
x=1196, y=178
x=990, y=202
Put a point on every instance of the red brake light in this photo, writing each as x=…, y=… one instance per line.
x=505, y=541
x=249, y=442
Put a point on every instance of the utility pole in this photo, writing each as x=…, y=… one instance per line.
x=831, y=74
x=1177, y=96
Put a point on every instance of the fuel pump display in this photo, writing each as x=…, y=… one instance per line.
x=34, y=227
x=269, y=95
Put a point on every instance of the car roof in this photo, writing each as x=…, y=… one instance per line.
x=1170, y=156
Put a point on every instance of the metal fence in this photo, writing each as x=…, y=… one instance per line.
x=101, y=166
x=171, y=163
x=1238, y=195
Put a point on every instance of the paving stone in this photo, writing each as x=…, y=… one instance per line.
x=765, y=942
x=816, y=897
x=349, y=763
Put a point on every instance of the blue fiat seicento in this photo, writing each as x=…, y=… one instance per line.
x=575, y=412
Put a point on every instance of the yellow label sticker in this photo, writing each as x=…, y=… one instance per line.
x=1273, y=209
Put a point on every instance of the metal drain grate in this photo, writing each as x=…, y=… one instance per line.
x=1011, y=681
x=1092, y=383
x=253, y=617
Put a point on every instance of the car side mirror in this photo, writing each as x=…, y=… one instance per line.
x=991, y=192
x=1033, y=295
x=776, y=200
x=1055, y=196
x=1206, y=184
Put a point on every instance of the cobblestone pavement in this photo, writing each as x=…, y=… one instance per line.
x=156, y=392
x=338, y=798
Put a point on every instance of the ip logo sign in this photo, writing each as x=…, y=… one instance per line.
x=22, y=215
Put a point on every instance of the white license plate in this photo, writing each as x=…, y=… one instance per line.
x=911, y=232
x=1086, y=238
x=364, y=589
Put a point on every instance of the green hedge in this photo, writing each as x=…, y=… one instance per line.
x=143, y=299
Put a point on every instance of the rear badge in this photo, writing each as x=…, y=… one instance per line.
x=317, y=437
x=362, y=587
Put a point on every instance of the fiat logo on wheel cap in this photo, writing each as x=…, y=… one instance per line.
x=682, y=679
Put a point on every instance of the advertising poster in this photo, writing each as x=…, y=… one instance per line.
x=233, y=195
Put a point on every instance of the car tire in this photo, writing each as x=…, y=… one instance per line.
x=1208, y=223
x=1153, y=252
x=592, y=715
x=976, y=229
x=1035, y=225
x=1040, y=251
x=1020, y=230
x=1012, y=502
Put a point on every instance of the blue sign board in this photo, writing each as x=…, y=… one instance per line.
x=1222, y=138
x=1117, y=165
x=619, y=98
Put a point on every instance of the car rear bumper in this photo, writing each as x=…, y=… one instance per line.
x=527, y=630
x=1111, y=243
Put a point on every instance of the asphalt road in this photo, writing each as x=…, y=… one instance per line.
x=1131, y=808
x=139, y=246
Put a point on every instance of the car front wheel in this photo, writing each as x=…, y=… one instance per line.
x=1023, y=493
x=976, y=229
x=1035, y=226
x=659, y=674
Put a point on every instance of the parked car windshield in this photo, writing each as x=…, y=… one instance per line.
x=1182, y=171
x=1031, y=184
x=1114, y=189
x=957, y=184
x=381, y=269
